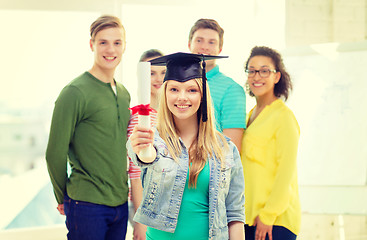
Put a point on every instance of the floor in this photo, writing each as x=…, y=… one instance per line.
x=333, y=227
x=314, y=227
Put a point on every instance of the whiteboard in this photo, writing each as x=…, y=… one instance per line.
x=330, y=103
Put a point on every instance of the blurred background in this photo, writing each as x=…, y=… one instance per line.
x=44, y=44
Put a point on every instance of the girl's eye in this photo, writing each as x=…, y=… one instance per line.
x=193, y=90
x=173, y=89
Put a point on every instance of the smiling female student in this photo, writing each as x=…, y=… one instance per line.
x=193, y=183
x=269, y=151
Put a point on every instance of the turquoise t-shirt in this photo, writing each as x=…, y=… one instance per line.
x=229, y=100
x=193, y=219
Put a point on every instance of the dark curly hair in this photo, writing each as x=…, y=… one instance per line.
x=284, y=86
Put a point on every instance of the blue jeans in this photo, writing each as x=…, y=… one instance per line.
x=89, y=221
x=279, y=233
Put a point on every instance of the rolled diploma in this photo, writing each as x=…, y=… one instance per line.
x=144, y=98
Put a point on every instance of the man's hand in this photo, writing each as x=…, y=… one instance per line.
x=60, y=208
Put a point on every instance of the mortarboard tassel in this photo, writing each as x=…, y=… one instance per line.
x=204, y=103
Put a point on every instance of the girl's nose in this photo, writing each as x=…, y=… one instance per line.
x=182, y=96
x=257, y=76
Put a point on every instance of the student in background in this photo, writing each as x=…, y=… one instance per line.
x=229, y=98
x=88, y=129
x=157, y=75
x=269, y=151
x=193, y=182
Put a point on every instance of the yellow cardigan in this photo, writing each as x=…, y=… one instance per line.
x=269, y=159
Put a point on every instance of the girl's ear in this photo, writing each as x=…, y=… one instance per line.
x=277, y=77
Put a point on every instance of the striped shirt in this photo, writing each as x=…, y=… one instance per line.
x=229, y=100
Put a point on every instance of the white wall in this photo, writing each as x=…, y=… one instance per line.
x=167, y=26
x=41, y=52
x=329, y=101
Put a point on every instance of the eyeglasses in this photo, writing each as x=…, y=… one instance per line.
x=263, y=72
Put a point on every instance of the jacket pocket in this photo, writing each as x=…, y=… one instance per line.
x=158, y=185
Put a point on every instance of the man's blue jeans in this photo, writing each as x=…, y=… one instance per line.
x=89, y=221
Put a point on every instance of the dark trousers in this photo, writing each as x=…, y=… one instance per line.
x=89, y=221
x=279, y=233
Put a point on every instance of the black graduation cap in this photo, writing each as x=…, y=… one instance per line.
x=182, y=67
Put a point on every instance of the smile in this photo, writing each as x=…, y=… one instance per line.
x=183, y=106
x=258, y=84
x=110, y=58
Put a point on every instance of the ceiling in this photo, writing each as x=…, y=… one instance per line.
x=105, y=6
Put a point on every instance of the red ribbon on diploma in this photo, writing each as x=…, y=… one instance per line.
x=142, y=109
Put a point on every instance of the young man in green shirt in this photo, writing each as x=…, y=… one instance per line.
x=88, y=129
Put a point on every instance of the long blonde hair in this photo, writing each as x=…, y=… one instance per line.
x=209, y=142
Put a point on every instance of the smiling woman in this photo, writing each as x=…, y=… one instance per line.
x=204, y=167
x=269, y=151
x=183, y=99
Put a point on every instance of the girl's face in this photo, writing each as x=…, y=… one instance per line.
x=183, y=99
x=263, y=82
x=157, y=74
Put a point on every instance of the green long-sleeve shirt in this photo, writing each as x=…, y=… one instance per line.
x=88, y=128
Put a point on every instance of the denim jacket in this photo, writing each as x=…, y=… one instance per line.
x=164, y=183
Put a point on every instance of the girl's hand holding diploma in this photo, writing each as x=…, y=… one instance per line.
x=142, y=138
